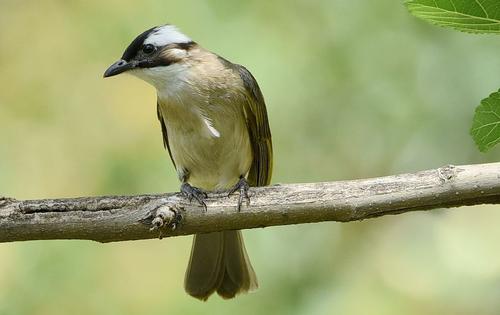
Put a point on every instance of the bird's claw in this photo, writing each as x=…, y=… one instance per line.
x=243, y=187
x=191, y=193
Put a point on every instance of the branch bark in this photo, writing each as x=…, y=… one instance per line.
x=122, y=218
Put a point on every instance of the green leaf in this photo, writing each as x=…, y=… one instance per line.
x=473, y=16
x=486, y=125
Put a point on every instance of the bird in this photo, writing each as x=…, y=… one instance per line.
x=215, y=128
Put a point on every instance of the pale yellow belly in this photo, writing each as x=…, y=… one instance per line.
x=214, y=157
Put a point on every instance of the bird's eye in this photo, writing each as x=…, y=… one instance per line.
x=148, y=49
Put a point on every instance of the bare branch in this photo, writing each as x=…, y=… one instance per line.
x=121, y=218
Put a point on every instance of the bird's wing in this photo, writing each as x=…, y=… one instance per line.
x=164, y=132
x=258, y=128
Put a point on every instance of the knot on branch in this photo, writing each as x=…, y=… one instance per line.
x=447, y=173
x=6, y=200
x=166, y=216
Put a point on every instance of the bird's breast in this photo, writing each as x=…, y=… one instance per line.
x=209, y=143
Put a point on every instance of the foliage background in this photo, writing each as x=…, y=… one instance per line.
x=354, y=89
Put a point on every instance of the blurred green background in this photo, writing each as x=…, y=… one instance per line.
x=354, y=89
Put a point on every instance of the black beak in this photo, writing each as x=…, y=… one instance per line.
x=118, y=67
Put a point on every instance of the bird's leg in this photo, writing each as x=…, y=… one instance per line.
x=191, y=193
x=242, y=186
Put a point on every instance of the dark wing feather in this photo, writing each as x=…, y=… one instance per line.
x=258, y=128
x=164, y=132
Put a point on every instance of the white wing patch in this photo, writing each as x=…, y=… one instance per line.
x=211, y=128
x=166, y=34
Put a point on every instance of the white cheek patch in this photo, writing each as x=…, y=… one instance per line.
x=168, y=80
x=166, y=34
x=211, y=128
x=177, y=53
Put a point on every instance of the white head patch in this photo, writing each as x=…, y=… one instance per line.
x=166, y=34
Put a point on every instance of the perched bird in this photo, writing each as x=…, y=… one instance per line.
x=215, y=128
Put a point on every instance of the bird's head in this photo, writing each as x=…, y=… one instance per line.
x=154, y=55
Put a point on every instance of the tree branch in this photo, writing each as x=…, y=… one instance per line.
x=121, y=218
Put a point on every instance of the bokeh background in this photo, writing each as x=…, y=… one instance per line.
x=354, y=89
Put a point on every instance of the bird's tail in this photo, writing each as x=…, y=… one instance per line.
x=219, y=262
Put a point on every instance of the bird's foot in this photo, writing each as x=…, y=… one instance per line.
x=243, y=187
x=191, y=193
